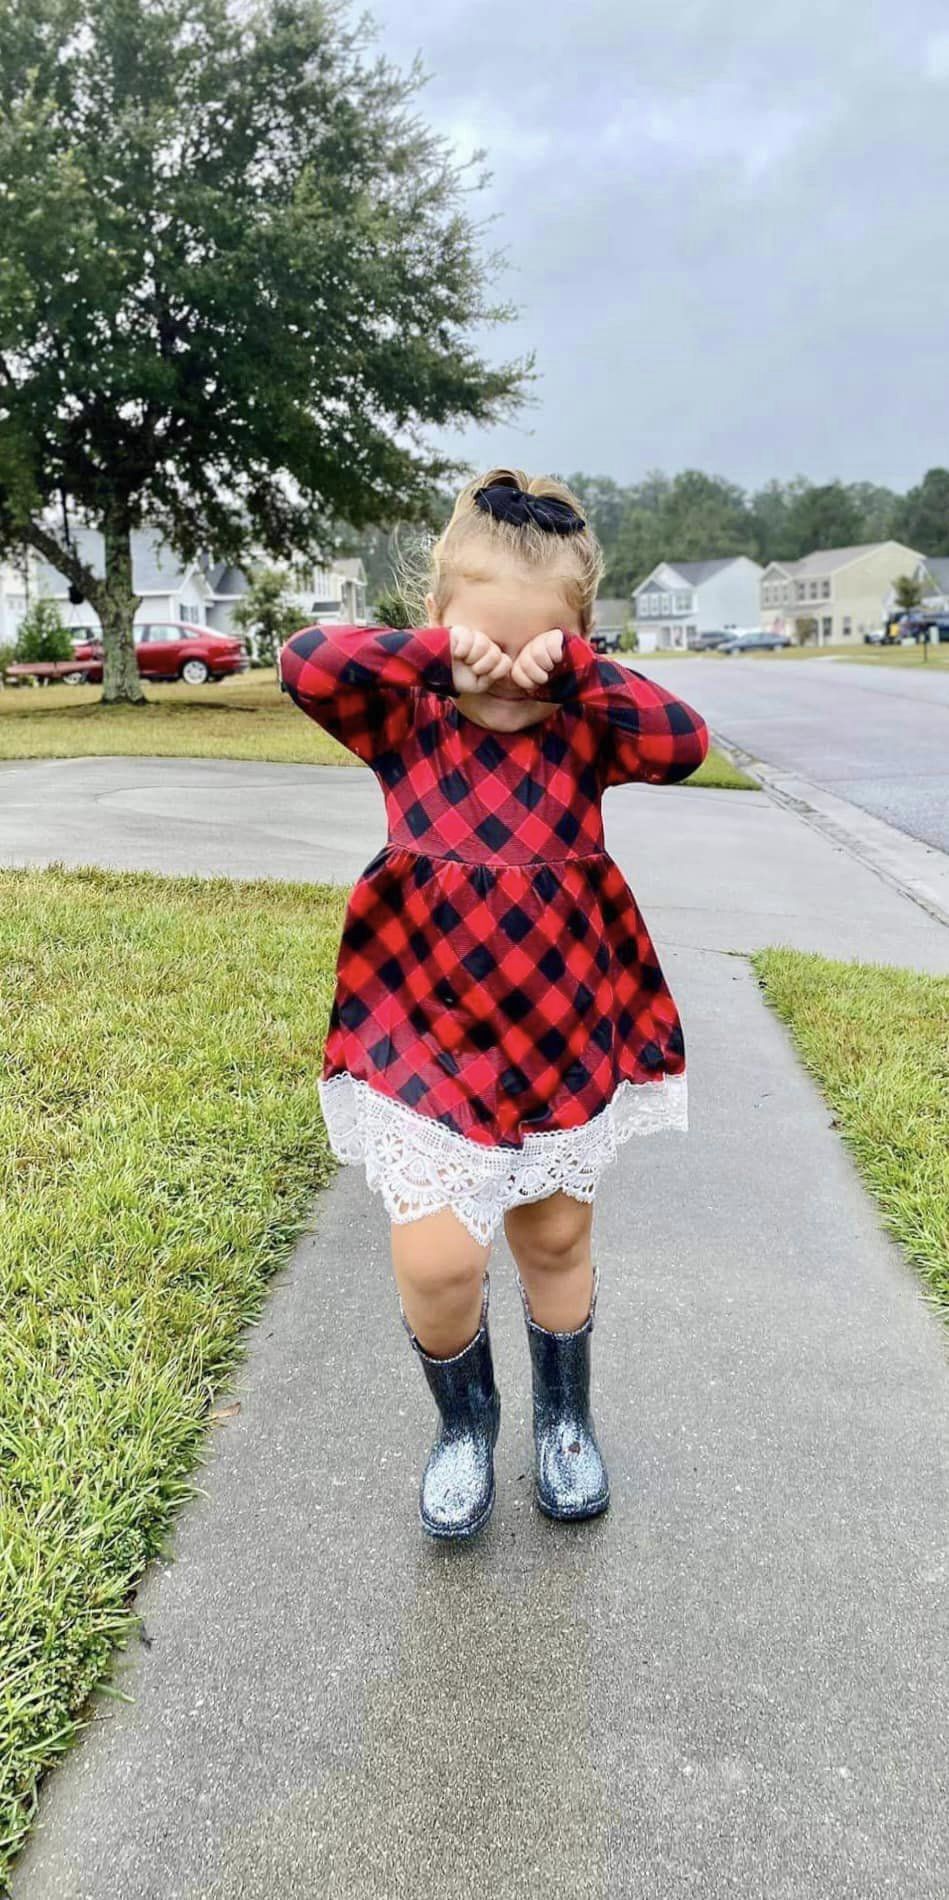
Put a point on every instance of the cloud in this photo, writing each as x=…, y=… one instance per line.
x=724, y=226
x=936, y=56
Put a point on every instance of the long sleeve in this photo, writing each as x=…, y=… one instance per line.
x=643, y=731
x=358, y=682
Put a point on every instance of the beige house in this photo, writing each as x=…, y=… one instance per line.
x=842, y=590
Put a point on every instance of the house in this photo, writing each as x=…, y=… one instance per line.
x=681, y=599
x=836, y=594
x=202, y=591
x=335, y=591
x=611, y=614
x=934, y=576
x=170, y=589
x=17, y=590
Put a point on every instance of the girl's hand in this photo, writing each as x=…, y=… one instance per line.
x=477, y=663
x=535, y=662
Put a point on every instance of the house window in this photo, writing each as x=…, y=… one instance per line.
x=683, y=603
x=766, y=596
x=827, y=627
x=825, y=590
x=801, y=590
x=813, y=590
x=847, y=627
x=667, y=603
x=190, y=610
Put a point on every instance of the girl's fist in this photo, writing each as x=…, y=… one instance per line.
x=535, y=662
x=476, y=662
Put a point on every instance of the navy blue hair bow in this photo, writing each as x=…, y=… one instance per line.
x=507, y=503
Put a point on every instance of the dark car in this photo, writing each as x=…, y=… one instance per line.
x=705, y=642
x=606, y=639
x=761, y=640
x=167, y=650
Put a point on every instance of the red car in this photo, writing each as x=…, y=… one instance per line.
x=167, y=650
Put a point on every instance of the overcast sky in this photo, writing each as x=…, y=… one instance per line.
x=726, y=221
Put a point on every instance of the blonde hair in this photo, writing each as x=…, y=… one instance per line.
x=465, y=548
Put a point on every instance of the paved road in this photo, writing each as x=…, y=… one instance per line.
x=876, y=736
x=730, y=1688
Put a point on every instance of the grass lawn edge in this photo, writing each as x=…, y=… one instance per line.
x=875, y=1039
x=128, y=1289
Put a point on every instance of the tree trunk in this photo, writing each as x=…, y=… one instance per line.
x=121, y=681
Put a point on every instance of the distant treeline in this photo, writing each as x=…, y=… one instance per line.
x=695, y=517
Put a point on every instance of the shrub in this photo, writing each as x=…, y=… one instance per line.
x=41, y=634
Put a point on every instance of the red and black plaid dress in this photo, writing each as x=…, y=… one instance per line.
x=501, y=1021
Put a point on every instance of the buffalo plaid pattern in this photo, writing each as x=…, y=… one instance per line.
x=495, y=972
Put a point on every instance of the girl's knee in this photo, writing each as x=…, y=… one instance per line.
x=436, y=1255
x=551, y=1236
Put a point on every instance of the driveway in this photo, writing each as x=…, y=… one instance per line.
x=876, y=736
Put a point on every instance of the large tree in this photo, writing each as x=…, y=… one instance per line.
x=822, y=516
x=922, y=519
x=240, y=283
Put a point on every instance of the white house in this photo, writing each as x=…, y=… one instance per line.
x=203, y=591
x=170, y=589
x=934, y=575
x=681, y=599
x=17, y=589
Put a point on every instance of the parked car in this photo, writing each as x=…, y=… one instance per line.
x=167, y=650
x=760, y=640
x=606, y=639
x=703, y=642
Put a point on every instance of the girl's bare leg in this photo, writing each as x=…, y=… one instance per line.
x=551, y=1243
x=439, y=1270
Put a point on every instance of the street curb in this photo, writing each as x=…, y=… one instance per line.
x=918, y=871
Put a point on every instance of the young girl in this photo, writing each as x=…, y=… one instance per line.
x=501, y=1022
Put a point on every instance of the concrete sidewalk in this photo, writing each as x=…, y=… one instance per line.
x=733, y=1685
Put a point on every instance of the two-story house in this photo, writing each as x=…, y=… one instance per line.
x=681, y=599
x=933, y=576
x=203, y=592
x=335, y=591
x=169, y=588
x=837, y=594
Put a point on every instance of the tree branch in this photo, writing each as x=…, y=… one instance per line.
x=64, y=560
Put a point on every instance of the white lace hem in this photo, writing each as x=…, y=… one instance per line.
x=418, y=1165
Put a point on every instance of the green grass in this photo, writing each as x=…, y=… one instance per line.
x=247, y=718
x=937, y=656
x=160, y=1142
x=876, y=1038
x=717, y=770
